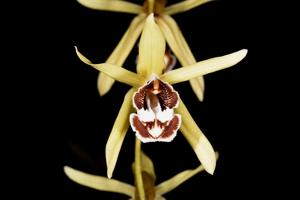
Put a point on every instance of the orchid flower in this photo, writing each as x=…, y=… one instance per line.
x=159, y=110
x=148, y=174
x=167, y=24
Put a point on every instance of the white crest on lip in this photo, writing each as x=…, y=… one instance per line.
x=146, y=115
x=165, y=115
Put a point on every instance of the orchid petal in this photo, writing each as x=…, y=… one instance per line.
x=197, y=83
x=121, y=52
x=151, y=49
x=115, y=72
x=99, y=182
x=117, y=135
x=178, y=179
x=112, y=5
x=197, y=139
x=203, y=67
x=184, y=6
x=181, y=49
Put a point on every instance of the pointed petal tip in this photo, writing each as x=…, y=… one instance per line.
x=102, y=93
x=109, y=174
x=236, y=57
x=243, y=53
x=210, y=171
x=212, y=168
x=66, y=169
x=76, y=49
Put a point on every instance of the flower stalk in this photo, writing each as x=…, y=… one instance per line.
x=138, y=171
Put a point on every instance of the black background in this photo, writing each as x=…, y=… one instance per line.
x=55, y=116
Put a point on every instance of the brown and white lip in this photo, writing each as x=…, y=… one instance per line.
x=155, y=119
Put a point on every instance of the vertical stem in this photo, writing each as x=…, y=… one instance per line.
x=138, y=170
x=151, y=6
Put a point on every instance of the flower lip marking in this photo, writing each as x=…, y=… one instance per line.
x=155, y=119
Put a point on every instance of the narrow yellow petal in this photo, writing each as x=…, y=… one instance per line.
x=197, y=139
x=197, y=85
x=178, y=179
x=118, y=132
x=99, y=182
x=179, y=46
x=188, y=58
x=112, y=5
x=173, y=41
x=184, y=6
x=151, y=49
x=104, y=83
x=115, y=72
x=203, y=67
x=121, y=52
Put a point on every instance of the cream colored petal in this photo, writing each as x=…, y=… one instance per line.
x=181, y=49
x=115, y=72
x=173, y=41
x=178, y=179
x=188, y=58
x=121, y=52
x=197, y=85
x=177, y=39
x=99, y=182
x=184, y=6
x=112, y=5
x=118, y=132
x=151, y=49
x=203, y=67
x=197, y=139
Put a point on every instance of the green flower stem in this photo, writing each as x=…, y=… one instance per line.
x=138, y=171
x=151, y=6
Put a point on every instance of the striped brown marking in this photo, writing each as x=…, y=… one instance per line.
x=168, y=97
x=140, y=128
x=171, y=128
x=164, y=92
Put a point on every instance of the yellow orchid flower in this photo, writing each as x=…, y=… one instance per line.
x=169, y=28
x=151, y=191
x=159, y=110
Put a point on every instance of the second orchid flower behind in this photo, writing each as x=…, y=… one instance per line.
x=159, y=110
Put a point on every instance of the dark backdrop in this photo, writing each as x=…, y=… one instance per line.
x=58, y=118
